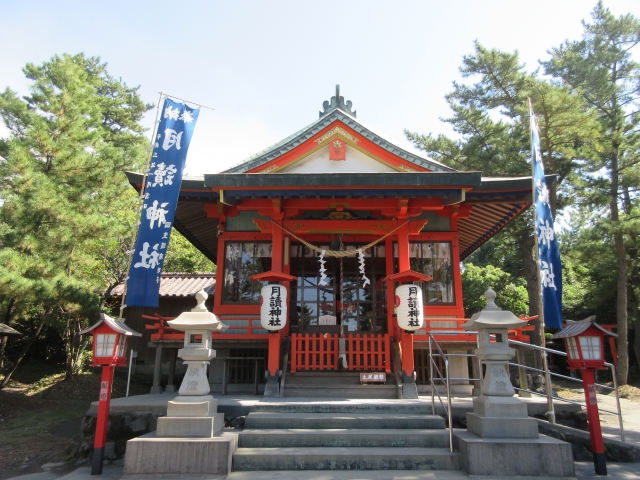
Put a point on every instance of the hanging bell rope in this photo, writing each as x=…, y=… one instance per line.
x=339, y=253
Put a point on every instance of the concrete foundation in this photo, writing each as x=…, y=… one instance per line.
x=542, y=457
x=152, y=455
x=191, y=427
x=501, y=417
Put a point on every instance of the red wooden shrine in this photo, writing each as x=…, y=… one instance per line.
x=337, y=182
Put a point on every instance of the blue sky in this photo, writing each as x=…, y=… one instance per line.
x=267, y=66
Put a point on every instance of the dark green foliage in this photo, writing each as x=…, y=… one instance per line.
x=183, y=257
x=64, y=195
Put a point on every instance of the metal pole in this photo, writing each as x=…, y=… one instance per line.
x=446, y=368
x=433, y=401
x=551, y=412
x=102, y=422
x=131, y=357
x=615, y=387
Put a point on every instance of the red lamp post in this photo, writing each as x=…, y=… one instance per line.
x=110, y=343
x=584, y=341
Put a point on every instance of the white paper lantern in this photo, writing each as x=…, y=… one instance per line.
x=273, y=307
x=409, y=307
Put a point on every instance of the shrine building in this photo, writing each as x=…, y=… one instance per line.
x=339, y=186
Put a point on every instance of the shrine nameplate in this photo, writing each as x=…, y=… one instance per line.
x=373, y=377
x=326, y=320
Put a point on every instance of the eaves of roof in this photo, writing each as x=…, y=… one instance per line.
x=301, y=136
x=330, y=180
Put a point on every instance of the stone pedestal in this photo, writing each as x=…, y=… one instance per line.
x=151, y=455
x=501, y=439
x=188, y=439
x=544, y=457
x=191, y=417
x=501, y=417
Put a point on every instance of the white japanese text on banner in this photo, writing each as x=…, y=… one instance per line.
x=160, y=200
x=548, y=250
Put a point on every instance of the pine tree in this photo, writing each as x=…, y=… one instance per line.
x=599, y=68
x=491, y=119
x=62, y=187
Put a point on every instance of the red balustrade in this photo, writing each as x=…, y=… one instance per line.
x=161, y=332
x=320, y=352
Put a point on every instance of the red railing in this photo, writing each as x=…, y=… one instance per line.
x=320, y=352
x=161, y=332
x=241, y=327
x=368, y=352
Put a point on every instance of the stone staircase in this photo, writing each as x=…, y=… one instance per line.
x=336, y=385
x=294, y=436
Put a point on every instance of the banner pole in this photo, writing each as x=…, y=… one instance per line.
x=136, y=228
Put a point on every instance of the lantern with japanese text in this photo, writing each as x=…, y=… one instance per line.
x=273, y=307
x=409, y=307
x=584, y=341
x=110, y=342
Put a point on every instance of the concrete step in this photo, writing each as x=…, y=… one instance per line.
x=270, y=438
x=337, y=458
x=309, y=405
x=262, y=420
x=341, y=391
x=350, y=475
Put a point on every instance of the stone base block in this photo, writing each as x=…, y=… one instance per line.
x=494, y=427
x=511, y=407
x=152, y=455
x=409, y=391
x=507, y=457
x=272, y=388
x=198, y=427
x=196, y=406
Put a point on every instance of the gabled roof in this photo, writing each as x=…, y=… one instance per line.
x=337, y=115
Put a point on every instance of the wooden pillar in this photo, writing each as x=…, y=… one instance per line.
x=272, y=389
x=156, y=388
x=407, y=355
x=404, y=264
x=173, y=353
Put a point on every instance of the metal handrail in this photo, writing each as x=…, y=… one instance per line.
x=447, y=382
x=548, y=374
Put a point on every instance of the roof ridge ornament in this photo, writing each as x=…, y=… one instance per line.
x=337, y=102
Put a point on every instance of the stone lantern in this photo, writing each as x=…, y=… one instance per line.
x=497, y=401
x=193, y=413
x=501, y=439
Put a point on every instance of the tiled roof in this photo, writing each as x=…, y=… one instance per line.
x=303, y=135
x=181, y=284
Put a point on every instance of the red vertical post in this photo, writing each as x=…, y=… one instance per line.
x=597, y=444
x=404, y=263
x=102, y=421
x=274, y=355
x=407, y=355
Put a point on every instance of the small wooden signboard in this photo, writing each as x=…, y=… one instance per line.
x=327, y=320
x=373, y=377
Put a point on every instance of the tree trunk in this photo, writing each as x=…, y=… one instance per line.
x=533, y=291
x=24, y=352
x=3, y=345
x=7, y=320
x=621, y=260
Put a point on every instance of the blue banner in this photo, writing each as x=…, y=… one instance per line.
x=160, y=197
x=548, y=250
